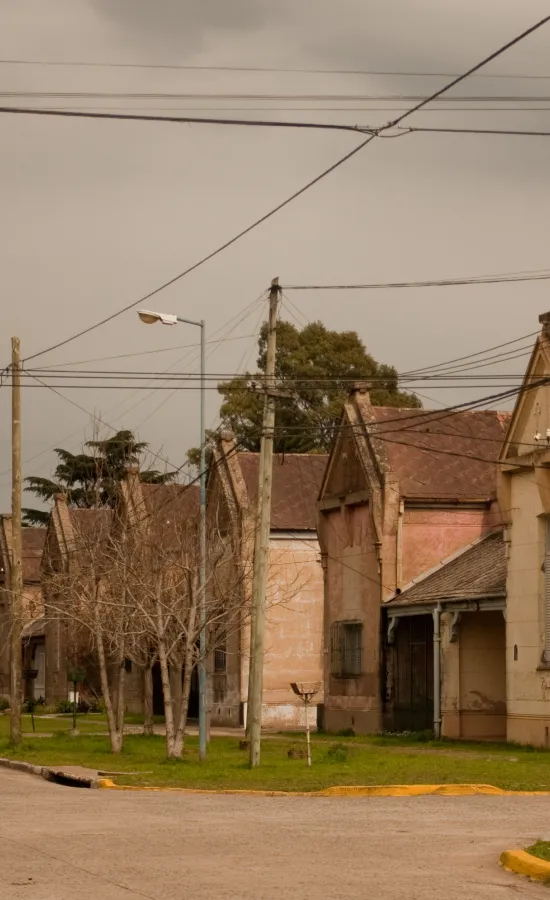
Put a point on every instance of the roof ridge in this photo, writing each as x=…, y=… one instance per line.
x=444, y=562
x=281, y=453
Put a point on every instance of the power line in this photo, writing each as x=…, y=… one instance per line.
x=232, y=323
x=272, y=109
x=478, y=131
x=229, y=68
x=472, y=355
x=82, y=362
x=306, y=98
x=541, y=275
x=301, y=191
x=209, y=256
x=138, y=117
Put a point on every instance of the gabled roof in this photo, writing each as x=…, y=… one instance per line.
x=440, y=455
x=476, y=572
x=432, y=454
x=517, y=441
x=297, y=479
x=90, y=523
x=177, y=501
x=32, y=548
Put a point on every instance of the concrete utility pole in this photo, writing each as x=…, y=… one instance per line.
x=261, y=542
x=16, y=571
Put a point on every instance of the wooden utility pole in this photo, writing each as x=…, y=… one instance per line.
x=16, y=571
x=261, y=542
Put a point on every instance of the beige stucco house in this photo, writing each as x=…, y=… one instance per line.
x=294, y=615
x=524, y=495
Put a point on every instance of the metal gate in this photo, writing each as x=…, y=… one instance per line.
x=413, y=684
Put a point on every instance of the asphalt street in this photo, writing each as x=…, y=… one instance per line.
x=61, y=843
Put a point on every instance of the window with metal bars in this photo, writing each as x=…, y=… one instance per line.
x=346, y=649
x=220, y=660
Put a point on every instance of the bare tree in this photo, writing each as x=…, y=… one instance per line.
x=166, y=598
x=85, y=593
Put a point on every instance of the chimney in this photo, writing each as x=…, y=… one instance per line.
x=544, y=320
x=361, y=387
x=131, y=468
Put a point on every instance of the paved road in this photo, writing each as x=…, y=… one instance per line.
x=101, y=845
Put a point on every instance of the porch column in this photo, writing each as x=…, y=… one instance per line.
x=437, y=671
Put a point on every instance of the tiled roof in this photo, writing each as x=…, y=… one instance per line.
x=33, y=547
x=436, y=455
x=177, y=501
x=476, y=572
x=90, y=523
x=297, y=479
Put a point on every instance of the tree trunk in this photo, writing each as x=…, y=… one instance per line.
x=148, y=699
x=115, y=736
x=167, y=694
x=120, y=699
x=186, y=689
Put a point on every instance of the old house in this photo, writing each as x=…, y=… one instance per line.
x=294, y=627
x=406, y=500
x=524, y=494
x=71, y=538
x=33, y=643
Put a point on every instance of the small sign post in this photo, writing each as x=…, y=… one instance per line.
x=307, y=693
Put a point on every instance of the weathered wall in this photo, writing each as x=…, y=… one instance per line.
x=294, y=630
x=33, y=607
x=528, y=681
x=431, y=535
x=352, y=592
x=450, y=680
x=482, y=675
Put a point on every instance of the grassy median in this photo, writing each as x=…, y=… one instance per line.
x=336, y=760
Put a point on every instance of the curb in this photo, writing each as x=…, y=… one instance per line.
x=382, y=790
x=523, y=863
x=49, y=774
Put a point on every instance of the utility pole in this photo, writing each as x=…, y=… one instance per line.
x=16, y=571
x=261, y=542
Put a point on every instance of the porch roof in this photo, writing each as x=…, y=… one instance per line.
x=476, y=572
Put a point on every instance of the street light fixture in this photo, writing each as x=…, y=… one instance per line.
x=150, y=317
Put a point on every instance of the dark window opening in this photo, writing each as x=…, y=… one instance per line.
x=346, y=649
x=220, y=659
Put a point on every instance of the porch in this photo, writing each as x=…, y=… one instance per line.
x=445, y=658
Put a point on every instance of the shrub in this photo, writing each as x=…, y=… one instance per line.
x=97, y=705
x=337, y=753
x=347, y=732
x=65, y=706
x=4, y=704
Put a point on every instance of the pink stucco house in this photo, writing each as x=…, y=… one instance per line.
x=406, y=494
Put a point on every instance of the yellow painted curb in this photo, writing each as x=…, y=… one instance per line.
x=523, y=863
x=378, y=790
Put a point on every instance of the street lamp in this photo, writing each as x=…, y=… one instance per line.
x=148, y=317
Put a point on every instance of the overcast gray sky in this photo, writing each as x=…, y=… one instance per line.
x=96, y=213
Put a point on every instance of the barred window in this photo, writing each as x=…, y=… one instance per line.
x=220, y=659
x=346, y=649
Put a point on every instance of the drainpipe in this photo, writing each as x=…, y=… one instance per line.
x=399, y=547
x=437, y=671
